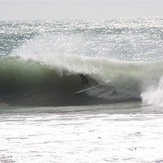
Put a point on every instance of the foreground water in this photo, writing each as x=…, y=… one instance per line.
x=128, y=132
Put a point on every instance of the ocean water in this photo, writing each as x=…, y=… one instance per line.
x=127, y=132
x=44, y=120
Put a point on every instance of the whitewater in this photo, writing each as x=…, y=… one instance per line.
x=42, y=117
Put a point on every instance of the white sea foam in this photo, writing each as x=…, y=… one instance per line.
x=154, y=94
x=104, y=133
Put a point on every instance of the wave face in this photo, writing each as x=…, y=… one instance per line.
x=41, y=61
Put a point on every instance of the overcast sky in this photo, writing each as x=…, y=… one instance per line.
x=78, y=9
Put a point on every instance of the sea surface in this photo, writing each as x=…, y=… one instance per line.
x=43, y=119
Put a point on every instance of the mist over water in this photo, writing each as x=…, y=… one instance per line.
x=124, y=39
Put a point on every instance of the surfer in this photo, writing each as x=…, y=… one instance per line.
x=84, y=80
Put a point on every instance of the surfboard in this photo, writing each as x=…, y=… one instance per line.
x=86, y=89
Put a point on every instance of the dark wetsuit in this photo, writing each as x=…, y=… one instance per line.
x=84, y=80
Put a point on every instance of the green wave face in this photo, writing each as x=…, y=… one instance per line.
x=30, y=83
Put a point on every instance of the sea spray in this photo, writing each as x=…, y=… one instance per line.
x=153, y=94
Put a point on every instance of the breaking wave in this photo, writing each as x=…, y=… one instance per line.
x=33, y=81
